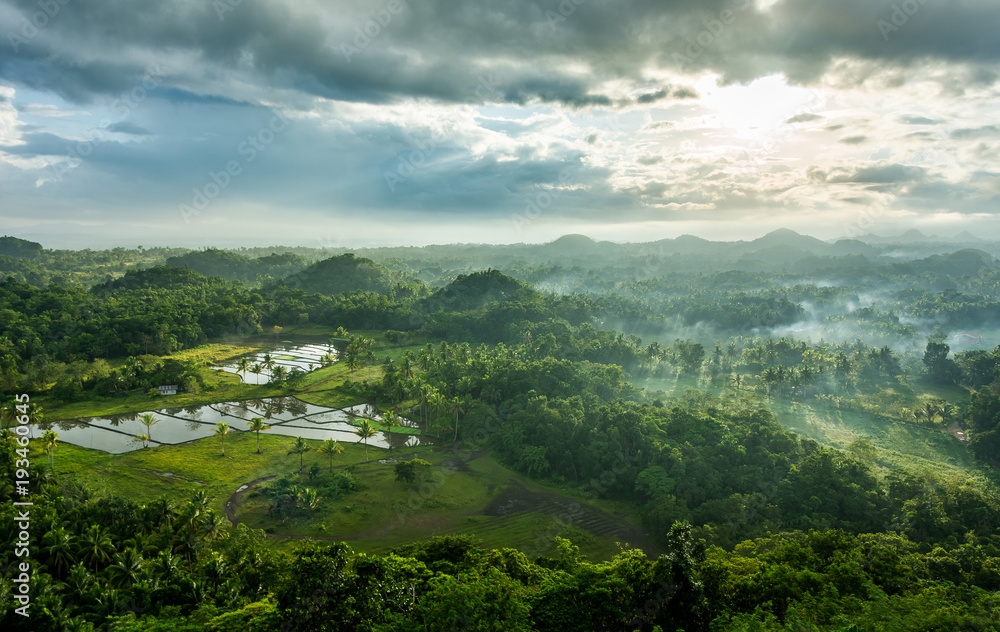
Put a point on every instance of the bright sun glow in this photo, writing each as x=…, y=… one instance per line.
x=757, y=108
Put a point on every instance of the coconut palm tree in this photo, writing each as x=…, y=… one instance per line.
x=221, y=430
x=96, y=545
x=391, y=419
x=242, y=366
x=256, y=369
x=49, y=438
x=455, y=406
x=268, y=363
x=279, y=373
x=60, y=549
x=148, y=420
x=126, y=568
x=365, y=430
x=331, y=447
x=256, y=425
x=300, y=448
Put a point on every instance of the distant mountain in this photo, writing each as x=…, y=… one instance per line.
x=472, y=291
x=235, y=267
x=784, y=237
x=845, y=247
x=21, y=248
x=572, y=244
x=961, y=263
x=157, y=277
x=344, y=273
x=965, y=236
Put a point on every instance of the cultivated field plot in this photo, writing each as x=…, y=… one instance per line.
x=286, y=416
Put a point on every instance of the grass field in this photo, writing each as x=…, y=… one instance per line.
x=898, y=443
x=380, y=515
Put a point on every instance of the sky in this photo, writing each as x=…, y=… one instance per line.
x=386, y=122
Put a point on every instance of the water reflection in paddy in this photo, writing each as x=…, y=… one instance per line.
x=287, y=416
x=290, y=356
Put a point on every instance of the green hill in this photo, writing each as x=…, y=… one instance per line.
x=344, y=273
x=472, y=291
x=236, y=267
x=14, y=247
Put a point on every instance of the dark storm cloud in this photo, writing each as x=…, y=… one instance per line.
x=518, y=51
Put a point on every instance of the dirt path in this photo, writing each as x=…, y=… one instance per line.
x=956, y=431
x=234, y=500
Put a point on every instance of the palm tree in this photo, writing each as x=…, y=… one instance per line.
x=279, y=373
x=142, y=436
x=300, y=448
x=242, y=366
x=256, y=425
x=256, y=369
x=268, y=363
x=365, y=430
x=148, y=420
x=331, y=447
x=49, y=438
x=60, y=549
x=455, y=406
x=97, y=545
x=126, y=567
x=390, y=419
x=222, y=429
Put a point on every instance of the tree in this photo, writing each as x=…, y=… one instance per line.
x=331, y=447
x=255, y=425
x=242, y=366
x=365, y=430
x=49, y=438
x=256, y=369
x=221, y=430
x=940, y=367
x=391, y=419
x=455, y=406
x=148, y=420
x=268, y=363
x=96, y=544
x=142, y=436
x=407, y=471
x=279, y=373
x=300, y=448
x=60, y=549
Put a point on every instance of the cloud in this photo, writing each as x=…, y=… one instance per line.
x=854, y=140
x=805, y=117
x=918, y=120
x=972, y=133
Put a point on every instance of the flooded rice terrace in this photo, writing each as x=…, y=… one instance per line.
x=287, y=416
x=288, y=355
